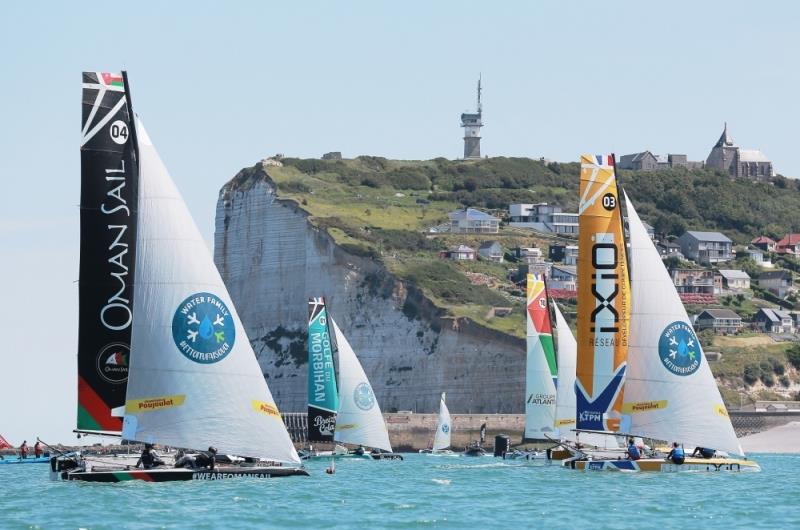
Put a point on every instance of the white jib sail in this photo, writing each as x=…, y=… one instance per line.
x=441, y=439
x=359, y=420
x=670, y=393
x=194, y=380
x=567, y=352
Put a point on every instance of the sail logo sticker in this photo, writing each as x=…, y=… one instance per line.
x=363, y=396
x=112, y=362
x=203, y=329
x=679, y=349
x=266, y=408
x=133, y=406
x=445, y=428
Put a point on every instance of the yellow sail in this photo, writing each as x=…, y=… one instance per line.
x=603, y=298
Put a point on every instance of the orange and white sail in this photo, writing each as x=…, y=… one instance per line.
x=540, y=372
x=603, y=297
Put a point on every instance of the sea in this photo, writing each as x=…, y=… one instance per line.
x=422, y=491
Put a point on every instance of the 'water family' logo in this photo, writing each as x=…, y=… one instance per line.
x=203, y=329
x=679, y=349
x=445, y=428
x=112, y=362
x=363, y=396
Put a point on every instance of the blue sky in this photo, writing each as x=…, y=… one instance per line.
x=222, y=86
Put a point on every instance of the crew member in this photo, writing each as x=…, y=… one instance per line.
x=704, y=452
x=37, y=448
x=23, y=449
x=149, y=459
x=359, y=450
x=633, y=451
x=207, y=459
x=676, y=454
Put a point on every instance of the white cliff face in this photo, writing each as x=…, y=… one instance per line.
x=272, y=260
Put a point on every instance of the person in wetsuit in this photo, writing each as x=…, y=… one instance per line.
x=704, y=452
x=149, y=459
x=207, y=459
x=633, y=451
x=359, y=451
x=677, y=456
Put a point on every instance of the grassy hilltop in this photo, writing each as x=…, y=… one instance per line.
x=382, y=208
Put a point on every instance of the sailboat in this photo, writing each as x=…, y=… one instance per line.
x=550, y=377
x=641, y=344
x=352, y=416
x=441, y=438
x=163, y=356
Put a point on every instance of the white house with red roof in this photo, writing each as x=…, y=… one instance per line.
x=790, y=244
x=767, y=244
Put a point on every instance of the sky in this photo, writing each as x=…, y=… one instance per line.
x=223, y=85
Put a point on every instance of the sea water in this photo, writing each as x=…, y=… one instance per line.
x=421, y=492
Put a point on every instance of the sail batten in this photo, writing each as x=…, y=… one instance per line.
x=603, y=298
x=670, y=392
x=541, y=370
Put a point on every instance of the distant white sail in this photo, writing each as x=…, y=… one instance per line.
x=194, y=380
x=670, y=393
x=566, y=351
x=443, y=427
x=359, y=420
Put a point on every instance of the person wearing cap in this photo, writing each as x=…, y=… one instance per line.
x=149, y=459
x=206, y=459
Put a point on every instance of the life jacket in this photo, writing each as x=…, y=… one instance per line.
x=633, y=452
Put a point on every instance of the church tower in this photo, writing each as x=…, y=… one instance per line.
x=724, y=154
x=472, y=129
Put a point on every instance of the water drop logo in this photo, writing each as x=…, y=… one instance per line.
x=679, y=349
x=363, y=396
x=203, y=329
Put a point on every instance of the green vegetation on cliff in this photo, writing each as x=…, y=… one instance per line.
x=382, y=209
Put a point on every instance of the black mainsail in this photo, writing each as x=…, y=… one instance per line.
x=109, y=197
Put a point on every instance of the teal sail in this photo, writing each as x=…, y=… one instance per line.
x=323, y=398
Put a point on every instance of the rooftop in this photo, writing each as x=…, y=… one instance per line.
x=733, y=274
x=775, y=275
x=763, y=239
x=471, y=214
x=752, y=155
x=709, y=236
x=720, y=313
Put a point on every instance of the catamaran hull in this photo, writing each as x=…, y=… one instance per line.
x=172, y=475
x=662, y=466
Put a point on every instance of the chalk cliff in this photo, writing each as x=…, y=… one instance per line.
x=273, y=259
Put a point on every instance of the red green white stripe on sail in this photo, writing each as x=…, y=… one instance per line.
x=110, y=79
x=541, y=369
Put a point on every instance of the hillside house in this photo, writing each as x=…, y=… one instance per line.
x=543, y=217
x=528, y=254
x=777, y=282
x=491, y=251
x=556, y=252
x=644, y=161
x=461, y=252
x=757, y=255
x=773, y=321
x=764, y=243
x=721, y=321
x=668, y=249
x=563, y=277
x=470, y=221
x=734, y=280
x=790, y=244
x=571, y=255
x=693, y=281
x=706, y=247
